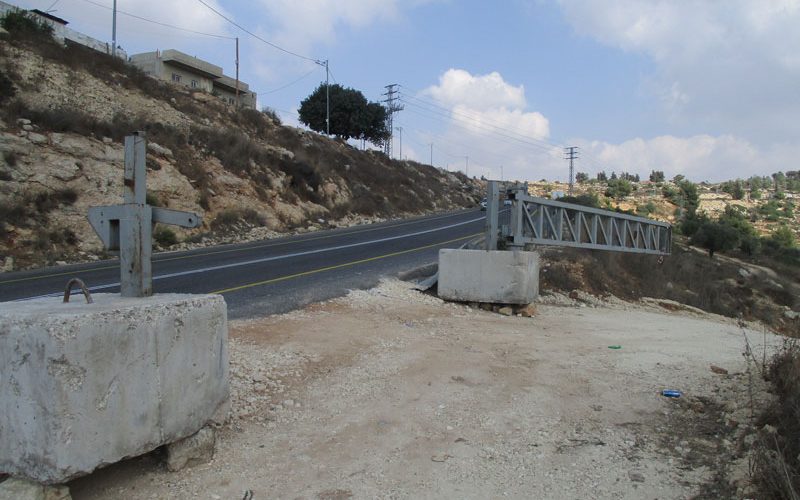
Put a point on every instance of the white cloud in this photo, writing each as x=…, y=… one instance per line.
x=479, y=92
x=730, y=66
x=486, y=119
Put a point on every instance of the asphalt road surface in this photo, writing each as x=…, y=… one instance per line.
x=273, y=276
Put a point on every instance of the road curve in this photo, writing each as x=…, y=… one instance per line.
x=277, y=275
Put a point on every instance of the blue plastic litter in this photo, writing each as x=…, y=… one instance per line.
x=669, y=393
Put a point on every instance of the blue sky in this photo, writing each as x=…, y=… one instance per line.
x=706, y=89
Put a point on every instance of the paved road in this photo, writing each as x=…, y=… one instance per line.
x=272, y=276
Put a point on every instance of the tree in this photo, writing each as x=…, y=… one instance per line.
x=618, y=188
x=657, y=176
x=783, y=237
x=581, y=177
x=734, y=188
x=601, y=176
x=352, y=116
x=716, y=236
x=613, y=176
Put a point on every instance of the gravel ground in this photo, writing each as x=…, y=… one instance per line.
x=391, y=393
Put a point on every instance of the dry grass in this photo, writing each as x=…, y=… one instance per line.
x=685, y=276
x=776, y=463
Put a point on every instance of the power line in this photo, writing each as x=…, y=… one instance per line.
x=288, y=84
x=551, y=144
x=478, y=125
x=159, y=22
x=482, y=122
x=278, y=47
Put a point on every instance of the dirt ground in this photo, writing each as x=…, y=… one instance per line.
x=391, y=393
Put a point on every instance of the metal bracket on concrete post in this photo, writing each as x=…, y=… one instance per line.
x=492, y=214
x=517, y=209
x=128, y=227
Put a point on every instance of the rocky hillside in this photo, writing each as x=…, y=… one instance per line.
x=66, y=110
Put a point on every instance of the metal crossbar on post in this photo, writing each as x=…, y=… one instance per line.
x=539, y=221
x=128, y=228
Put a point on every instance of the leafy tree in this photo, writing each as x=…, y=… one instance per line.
x=755, y=182
x=716, y=236
x=352, y=116
x=779, y=178
x=788, y=209
x=613, y=176
x=734, y=188
x=586, y=199
x=783, y=237
x=657, y=176
x=646, y=209
x=678, y=178
x=618, y=188
x=770, y=210
x=601, y=176
x=755, y=194
x=581, y=177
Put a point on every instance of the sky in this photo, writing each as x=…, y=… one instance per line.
x=708, y=89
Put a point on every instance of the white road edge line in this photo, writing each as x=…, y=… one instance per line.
x=267, y=259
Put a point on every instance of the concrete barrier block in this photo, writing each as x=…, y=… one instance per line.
x=84, y=385
x=497, y=276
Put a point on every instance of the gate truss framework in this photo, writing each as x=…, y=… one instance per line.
x=548, y=222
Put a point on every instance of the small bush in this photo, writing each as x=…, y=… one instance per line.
x=273, y=115
x=7, y=90
x=165, y=236
x=21, y=23
x=229, y=219
x=152, y=200
x=11, y=158
x=776, y=470
x=48, y=201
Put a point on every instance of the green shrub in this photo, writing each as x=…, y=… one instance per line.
x=7, y=90
x=228, y=219
x=22, y=23
x=619, y=188
x=273, y=115
x=586, y=199
x=11, y=158
x=152, y=199
x=165, y=236
x=783, y=237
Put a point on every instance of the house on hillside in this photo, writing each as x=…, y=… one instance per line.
x=62, y=33
x=175, y=67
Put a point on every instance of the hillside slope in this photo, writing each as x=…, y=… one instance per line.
x=66, y=111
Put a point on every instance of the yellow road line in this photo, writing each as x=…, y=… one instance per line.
x=230, y=250
x=340, y=266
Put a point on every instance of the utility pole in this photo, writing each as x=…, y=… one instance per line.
x=400, y=129
x=237, y=72
x=391, y=108
x=571, y=154
x=327, y=96
x=114, y=31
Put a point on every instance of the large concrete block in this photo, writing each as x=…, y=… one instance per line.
x=497, y=276
x=83, y=385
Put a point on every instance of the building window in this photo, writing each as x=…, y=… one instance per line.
x=176, y=78
x=194, y=84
